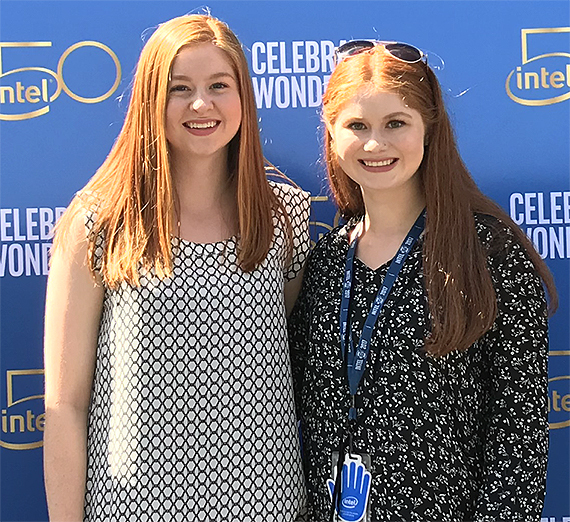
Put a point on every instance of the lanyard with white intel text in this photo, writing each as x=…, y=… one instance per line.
x=356, y=359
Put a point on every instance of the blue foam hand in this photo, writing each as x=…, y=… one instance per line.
x=354, y=490
x=330, y=484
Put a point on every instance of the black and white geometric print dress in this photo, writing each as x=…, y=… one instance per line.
x=453, y=439
x=192, y=414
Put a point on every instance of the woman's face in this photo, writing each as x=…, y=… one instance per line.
x=379, y=142
x=203, y=110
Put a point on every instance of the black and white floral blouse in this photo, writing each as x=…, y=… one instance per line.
x=458, y=438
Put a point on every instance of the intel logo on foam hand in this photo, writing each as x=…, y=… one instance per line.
x=350, y=502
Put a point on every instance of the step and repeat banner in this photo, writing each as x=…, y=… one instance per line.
x=65, y=71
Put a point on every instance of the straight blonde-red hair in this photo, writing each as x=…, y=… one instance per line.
x=132, y=194
x=461, y=297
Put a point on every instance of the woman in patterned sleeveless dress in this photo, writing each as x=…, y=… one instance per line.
x=168, y=382
x=420, y=353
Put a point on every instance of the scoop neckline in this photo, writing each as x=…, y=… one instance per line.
x=211, y=243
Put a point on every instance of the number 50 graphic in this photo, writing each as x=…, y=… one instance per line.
x=19, y=93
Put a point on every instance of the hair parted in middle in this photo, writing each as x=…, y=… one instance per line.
x=133, y=191
x=461, y=296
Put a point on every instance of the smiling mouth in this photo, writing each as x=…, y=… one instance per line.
x=383, y=163
x=200, y=125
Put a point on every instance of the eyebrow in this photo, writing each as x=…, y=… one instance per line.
x=399, y=113
x=214, y=76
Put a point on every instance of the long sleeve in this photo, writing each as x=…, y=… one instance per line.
x=299, y=325
x=516, y=428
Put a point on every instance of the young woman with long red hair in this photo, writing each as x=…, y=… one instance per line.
x=168, y=382
x=419, y=340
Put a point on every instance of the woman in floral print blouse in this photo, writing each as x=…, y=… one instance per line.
x=442, y=415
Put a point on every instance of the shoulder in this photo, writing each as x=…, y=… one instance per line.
x=333, y=244
x=84, y=208
x=289, y=194
x=73, y=240
x=85, y=211
x=326, y=262
x=78, y=219
x=508, y=253
x=492, y=231
x=296, y=204
x=497, y=237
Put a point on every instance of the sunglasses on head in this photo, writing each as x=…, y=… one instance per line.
x=401, y=51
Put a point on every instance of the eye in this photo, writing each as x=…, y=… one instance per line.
x=395, y=124
x=356, y=126
x=218, y=86
x=179, y=88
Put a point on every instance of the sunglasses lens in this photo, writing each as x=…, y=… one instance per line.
x=404, y=52
x=353, y=47
x=401, y=51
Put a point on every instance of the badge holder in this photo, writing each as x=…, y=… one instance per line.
x=351, y=502
x=355, y=487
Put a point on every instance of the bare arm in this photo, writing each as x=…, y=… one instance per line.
x=73, y=310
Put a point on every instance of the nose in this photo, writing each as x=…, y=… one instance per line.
x=201, y=103
x=375, y=143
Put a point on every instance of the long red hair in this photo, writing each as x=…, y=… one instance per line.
x=132, y=192
x=461, y=297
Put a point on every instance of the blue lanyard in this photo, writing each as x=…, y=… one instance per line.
x=356, y=359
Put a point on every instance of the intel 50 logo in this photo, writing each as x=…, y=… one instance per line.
x=22, y=420
x=543, y=78
x=559, y=402
x=320, y=228
x=84, y=72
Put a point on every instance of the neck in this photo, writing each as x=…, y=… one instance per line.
x=205, y=199
x=392, y=214
x=387, y=220
x=200, y=183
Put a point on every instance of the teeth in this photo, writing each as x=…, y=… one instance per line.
x=378, y=163
x=195, y=125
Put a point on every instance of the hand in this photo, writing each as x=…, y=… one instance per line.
x=354, y=490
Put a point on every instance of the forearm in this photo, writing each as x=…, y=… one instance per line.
x=514, y=486
x=516, y=445
x=65, y=463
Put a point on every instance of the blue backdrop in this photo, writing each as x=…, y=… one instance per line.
x=65, y=69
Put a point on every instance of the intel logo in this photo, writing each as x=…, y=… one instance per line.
x=541, y=79
x=350, y=502
x=28, y=92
